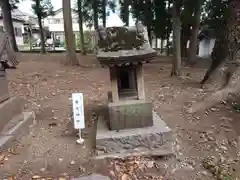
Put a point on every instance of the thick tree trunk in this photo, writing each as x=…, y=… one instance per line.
x=231, y=37
x=194, y=36
x=72, y=59
x=176, y=64
x=95, y=14
x=43, y=50
x=81, y=33
x=104, y=13
x=8, y=23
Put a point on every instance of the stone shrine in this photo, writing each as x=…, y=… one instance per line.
x=124, y=50
x=131, y=127
x=13, y=121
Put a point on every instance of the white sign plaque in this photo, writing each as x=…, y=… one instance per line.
x=78, y=111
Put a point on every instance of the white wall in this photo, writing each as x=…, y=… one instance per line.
x=50, y=22
x=19, y=38
x=206, y=47
x=112, y=20
x=158, y=43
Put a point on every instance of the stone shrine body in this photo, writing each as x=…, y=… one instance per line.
x=124, y=50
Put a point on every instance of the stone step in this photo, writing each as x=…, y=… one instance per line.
x=9, y=109
x=13, y=122
x=15, y=129
x=163, y=151
x=142, y=141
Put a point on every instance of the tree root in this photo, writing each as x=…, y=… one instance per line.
x=213, y=99
x=231, y=86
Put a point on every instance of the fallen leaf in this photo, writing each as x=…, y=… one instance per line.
x=36, y=177
x=2, y=157
x=125, y=177
x=52, y=124
x=12, y=178
x=62, y=178
x=72, y=162
x=42, y=169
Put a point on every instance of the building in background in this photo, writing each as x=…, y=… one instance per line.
x=18, y=23
x=55, y=24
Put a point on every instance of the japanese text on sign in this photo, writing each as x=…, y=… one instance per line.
x=78, y=111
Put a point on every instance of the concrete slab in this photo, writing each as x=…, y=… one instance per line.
x=134, y=141
x=9, y=109
x=18, y=131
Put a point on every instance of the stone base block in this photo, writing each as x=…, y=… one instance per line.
x=155, y=140
x=130, y=114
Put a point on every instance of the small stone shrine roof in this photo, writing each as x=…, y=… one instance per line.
x=124, y=45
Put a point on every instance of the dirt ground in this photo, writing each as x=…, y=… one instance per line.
x=51, y=150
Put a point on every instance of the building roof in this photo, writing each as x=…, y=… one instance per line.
x=17, y=15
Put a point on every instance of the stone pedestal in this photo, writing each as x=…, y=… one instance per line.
x=130, y=114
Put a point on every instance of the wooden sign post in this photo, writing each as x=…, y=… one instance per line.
x=78, y=114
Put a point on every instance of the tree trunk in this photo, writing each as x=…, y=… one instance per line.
x=176, y=64
x=156, y=43
x=184, y=40
x=126, y=12
x=162, y=41
x=72, y=59
x=80, y=18
x=231, y=37
x=43, y=50
x=104, y=13
x=54, y=41
x=95, y=14
x=168, y=48
x=149, y=35
x=8, y=23
x=30, y=36
x=194, y=36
